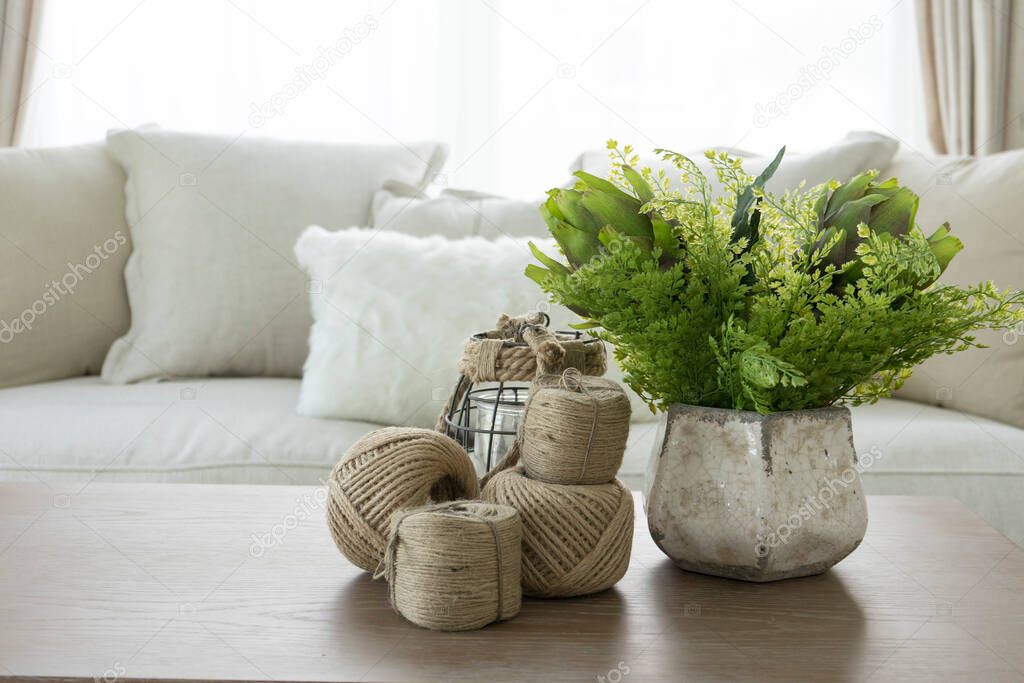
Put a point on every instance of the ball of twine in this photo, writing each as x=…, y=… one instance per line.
x=455, y=566
x=575, y=429
x=386, y=471
x=576, y=539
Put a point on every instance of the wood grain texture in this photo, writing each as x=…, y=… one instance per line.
x=189, y=582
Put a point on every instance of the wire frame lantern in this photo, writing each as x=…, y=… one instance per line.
x=486, y=407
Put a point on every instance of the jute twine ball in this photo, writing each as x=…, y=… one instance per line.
x=576, y=539
x=575, y=429
x=386, y=471
x=455, y=566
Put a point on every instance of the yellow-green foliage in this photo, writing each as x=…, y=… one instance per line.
x=759, y=302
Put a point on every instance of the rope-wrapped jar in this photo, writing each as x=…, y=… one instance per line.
x=516, y=351
x=455, y=566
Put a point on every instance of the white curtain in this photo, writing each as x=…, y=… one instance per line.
x=518, y=88
x=19, y=34
x=972, y=57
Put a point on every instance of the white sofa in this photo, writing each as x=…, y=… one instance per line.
x=245, y=430
x=78, y=429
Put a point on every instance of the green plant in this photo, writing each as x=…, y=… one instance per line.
x=755, y=301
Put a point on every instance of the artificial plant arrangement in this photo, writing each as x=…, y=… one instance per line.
x=754, y=301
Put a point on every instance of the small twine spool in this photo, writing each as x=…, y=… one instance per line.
x=455, y=566
x=386, y=471
x=575, y=429
x=576, y=539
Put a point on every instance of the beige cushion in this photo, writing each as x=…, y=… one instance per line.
x=457, y=213
x=856, y=152
x=241, y=430
x=920, y=171
x=982, y=199
x=213, y=284
x=63, y=245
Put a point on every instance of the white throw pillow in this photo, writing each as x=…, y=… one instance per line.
x=983, y=203
x=392, y=313
x=855, y=153
x=457, y=213
x=63, y=245
x=213, y=284
x=463, y=213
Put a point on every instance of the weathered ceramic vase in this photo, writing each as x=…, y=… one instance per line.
x=755, y=497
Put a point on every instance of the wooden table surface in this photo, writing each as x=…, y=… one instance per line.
x=124, y=581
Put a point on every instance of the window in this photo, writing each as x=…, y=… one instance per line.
x=517, y=88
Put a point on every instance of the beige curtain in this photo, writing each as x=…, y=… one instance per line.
x=972, y=55
x=19, y=31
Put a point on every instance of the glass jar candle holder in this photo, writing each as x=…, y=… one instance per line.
x=486, y=422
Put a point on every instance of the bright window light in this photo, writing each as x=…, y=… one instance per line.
x=517, y=88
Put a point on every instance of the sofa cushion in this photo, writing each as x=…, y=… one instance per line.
x=981, y=200
x=457, y=213
x=920, y=172
x=217, y=430
x=63, y=245
x=213, y=285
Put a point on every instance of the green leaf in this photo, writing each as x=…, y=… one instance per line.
x=664, y=237
x=623, y=214
x=551, y=214
x=770, y=169
x=612, y=239
x=551, y=204
x=595, y=184
x=578, y=245
x=845, y=221
x=896, y=215
x=537, y=274
x=944, y=246
x=555, y=267
x=853, y=213
x=848, y=192
x=640, y=186
x=568, y=204
x=744, y=222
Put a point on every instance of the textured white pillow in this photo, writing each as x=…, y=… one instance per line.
x=213, y=285
x=63, y=245
x=856, y=152
x=457, y=213
x=392, y=313
x=463, y=213
x=983, y=203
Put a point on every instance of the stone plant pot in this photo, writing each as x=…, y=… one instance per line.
x=755, y=497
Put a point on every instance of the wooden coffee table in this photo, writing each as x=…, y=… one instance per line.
x=124, y=582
